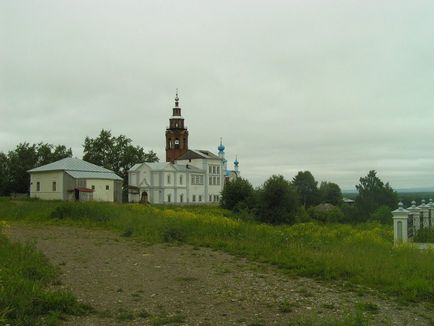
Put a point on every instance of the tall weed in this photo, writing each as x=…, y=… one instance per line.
x=362, y=254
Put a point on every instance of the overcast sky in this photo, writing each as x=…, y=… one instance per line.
x=334, y=87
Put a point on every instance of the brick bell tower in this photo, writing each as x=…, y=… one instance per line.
x=176, y=134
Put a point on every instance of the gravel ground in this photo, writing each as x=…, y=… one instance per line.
x=130, y=283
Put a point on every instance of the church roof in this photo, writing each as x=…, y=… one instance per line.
x=163, y=166
x=198, y=153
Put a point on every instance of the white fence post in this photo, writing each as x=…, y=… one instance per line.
x=431, y=213
x=400, y=224
x=415, y=216
x=424, y=217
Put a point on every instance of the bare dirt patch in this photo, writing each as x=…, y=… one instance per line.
x=130, y=283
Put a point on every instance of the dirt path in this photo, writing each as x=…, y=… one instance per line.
x=133, y=284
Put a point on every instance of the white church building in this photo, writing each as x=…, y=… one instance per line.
x=187, y=177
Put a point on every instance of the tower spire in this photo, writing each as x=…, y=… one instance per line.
x=176, y=99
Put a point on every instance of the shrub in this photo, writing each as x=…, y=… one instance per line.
x=425, y=235
x=80, y=210
x=277, y=201
x=382, y=214
x=172, y=234
x=235, y=192
x=326, y=213
x=301, y=215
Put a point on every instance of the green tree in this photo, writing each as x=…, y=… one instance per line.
x=277, y=201
x=237, y=193
x=373, y=193
x=22, y=159
x=26, y=157
x=48, y=153
x=4, y=174
x=115, y=153
x=330, y=193
x=306, y=188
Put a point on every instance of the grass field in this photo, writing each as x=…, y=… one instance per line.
x=361, y=255
x=25, y=276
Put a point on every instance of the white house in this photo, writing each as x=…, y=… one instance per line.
x=75, y=179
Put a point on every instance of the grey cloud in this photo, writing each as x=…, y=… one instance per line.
x=335, y=87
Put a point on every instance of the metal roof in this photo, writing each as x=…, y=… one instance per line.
x=163, y=166
x=198, y=153
x=78, y=169
x=93, y=175
x=70, y=163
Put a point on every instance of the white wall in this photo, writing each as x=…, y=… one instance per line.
x=46, y=180
x=101, y=193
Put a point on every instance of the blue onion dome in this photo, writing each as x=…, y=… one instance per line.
x=221, y=148
x=236, y=162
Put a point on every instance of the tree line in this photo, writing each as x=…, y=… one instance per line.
x=280, y=201
x=116, y=153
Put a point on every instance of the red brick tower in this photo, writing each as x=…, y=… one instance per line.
x=176, y=134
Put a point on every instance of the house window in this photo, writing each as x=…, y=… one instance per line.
x=169, y=197
x=216, y=198
x=107, y=187
x=180, y=179
x=210, y=198
x=54, y=185
x=200, y=197
x=210, y=181
x=181, y=198
x=218, y=170
x=194, y=198
x=38, y=186
x=218, y=180
x=197, y=179
x=168, y=179
x=210, y=169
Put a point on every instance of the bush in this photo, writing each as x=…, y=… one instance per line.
x=301, y=215
x=326, y=213
x=235, y=192
x=277, y=201
x=382, y=214
x=80, y=210
x=352, y=214
x=173, y=234
x=425, y=235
